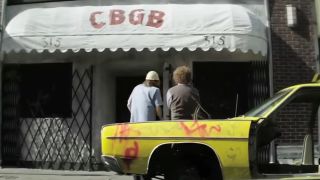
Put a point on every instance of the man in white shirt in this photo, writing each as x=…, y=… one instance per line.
x=145, y=100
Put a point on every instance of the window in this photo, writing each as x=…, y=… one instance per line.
x=267, y=105
x=45, y=90
x=298, y=116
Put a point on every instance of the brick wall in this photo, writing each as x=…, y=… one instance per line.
x=1, y=8
x=293, y=55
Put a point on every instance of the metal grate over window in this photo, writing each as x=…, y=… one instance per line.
x=58, y=142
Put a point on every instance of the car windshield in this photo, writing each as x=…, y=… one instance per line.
x=267, y=105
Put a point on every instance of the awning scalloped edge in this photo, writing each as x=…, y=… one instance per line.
x=88, y=50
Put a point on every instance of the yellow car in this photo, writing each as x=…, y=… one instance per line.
x=235, y=148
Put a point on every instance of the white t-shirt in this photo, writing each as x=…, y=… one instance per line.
x=142, y=103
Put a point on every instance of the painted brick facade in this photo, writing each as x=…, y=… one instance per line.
x=293, y=56
x=294, y=59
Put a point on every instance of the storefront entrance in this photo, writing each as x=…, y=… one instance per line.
x=124, y=87
x=223, y=87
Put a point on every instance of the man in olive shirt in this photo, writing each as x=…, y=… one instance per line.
x=183, y=98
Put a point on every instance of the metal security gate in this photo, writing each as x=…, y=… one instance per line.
x=10, y=116
x=259, y=87
x=260, y=91
x=47, y=142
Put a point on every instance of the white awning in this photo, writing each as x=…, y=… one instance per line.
x=143, y=26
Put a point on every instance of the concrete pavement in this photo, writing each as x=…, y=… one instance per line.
x=44, y=174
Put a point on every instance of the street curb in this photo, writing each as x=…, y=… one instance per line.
x=25, y=171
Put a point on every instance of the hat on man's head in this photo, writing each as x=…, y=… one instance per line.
x=152, y=75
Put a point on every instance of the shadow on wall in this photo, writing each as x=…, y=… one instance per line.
x=303, y=27
x=291, y=66
x=294, y=61
x=303, y=22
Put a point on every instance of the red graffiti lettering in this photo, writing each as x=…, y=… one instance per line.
x=199, y=129
x=130, y=154
x=216, y=128
x=124, y=130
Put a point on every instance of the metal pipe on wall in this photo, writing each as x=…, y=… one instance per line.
x=3, y=8
x=316, y=15
x=273, y=152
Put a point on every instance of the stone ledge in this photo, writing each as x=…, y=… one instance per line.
x=293, y=154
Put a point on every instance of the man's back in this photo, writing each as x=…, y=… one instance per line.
x=142, y=103
x=182, y=101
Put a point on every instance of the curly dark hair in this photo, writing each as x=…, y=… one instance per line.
x=182, y=75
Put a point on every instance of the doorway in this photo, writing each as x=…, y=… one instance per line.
x=223, y=87
x=124, y=87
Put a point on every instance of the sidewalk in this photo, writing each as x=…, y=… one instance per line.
x=293, y=154
x=44, y=174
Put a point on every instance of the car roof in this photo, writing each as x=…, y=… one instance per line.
x=298, y=86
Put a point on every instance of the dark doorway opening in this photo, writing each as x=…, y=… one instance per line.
x=124, y=87
x=223, y=87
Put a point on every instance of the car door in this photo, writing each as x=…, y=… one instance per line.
x=294, y=115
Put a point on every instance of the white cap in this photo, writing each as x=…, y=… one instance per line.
x=152, y=75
